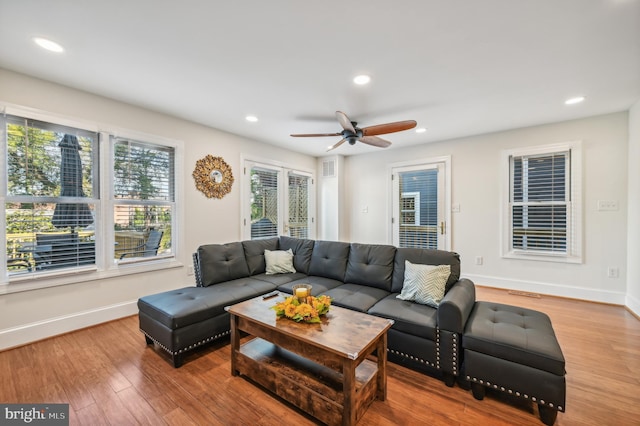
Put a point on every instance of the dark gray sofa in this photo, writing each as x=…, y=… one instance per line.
x=363, y=277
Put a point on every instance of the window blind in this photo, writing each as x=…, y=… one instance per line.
x=540, y=202
x=51, y=195
x=144, y=195
x=264, y=203
x=298, y=205
x=418, y=214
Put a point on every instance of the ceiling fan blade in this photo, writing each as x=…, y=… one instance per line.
x=344, y=121
x=375, y=141
x=314, y=135
x=337, y=144
x=381, y=129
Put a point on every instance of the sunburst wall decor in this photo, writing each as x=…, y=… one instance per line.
x=213, y=176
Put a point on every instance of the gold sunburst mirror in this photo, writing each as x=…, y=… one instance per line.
x=213, y=176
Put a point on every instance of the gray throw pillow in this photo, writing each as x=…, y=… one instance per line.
x=279, y=261
x=424, y=284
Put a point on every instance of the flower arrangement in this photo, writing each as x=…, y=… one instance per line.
x=308, y=310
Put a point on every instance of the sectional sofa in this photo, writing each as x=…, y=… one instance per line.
x=364, y=277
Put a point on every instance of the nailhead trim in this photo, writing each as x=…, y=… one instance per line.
x=411, y=357
x=516, y=393
x=195, y=345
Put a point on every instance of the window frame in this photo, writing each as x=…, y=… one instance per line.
x=283, y=169
x=105, y=266
x=151, y=141
x=573, y=179
x=444, y=166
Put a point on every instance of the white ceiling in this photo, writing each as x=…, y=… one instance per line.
x=457, y=67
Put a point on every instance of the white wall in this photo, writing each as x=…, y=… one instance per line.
x=476, y=188
x=633, y=233
x=32, y=315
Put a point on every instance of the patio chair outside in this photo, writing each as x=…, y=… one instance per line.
x=148, y=249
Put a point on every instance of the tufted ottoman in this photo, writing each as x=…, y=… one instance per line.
x=515, y=350
x=182, y=319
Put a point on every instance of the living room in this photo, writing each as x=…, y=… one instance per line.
x=354, y=206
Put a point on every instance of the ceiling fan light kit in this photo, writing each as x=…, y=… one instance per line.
x=369, y=135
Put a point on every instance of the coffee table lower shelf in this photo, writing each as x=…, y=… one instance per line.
x=314, y=388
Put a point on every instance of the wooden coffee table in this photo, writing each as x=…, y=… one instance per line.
x=326, y=369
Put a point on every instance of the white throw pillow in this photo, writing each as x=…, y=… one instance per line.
x=424, y=284
x=279, y=261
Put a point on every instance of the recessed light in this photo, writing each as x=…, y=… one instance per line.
x=362, y=79
x=49, y=45
x=421, y=130
x=573, y=101
x=251, y=118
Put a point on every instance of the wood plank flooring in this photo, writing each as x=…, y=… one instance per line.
x=110, y=377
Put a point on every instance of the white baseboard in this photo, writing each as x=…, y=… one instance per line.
x=633, y=305
x=552, y=289
x=28, y=333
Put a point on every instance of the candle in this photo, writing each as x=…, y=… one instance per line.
x=301, y=292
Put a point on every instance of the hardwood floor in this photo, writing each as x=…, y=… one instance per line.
x=110, y=377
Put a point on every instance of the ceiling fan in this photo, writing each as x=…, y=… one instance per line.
x=369, y=135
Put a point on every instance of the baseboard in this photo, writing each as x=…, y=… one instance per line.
x=551, y=289
x=28, y=333
x=633, y=305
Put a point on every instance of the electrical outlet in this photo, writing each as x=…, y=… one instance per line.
x=190, y=270
x=613, y=272
x=455, y=208
x=479, y=260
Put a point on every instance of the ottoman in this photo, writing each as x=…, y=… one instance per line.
x=515, y=350
x=183, y=319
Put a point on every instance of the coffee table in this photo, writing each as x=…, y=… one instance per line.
x=327, y=369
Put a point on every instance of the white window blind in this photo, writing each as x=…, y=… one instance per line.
x=264, y=203
x=540, y=202
x=298, y=205
x=51, y=195
x=418, y=214
x=144, y=198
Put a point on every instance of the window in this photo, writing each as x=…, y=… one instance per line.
x=543, y=208
x=78, y=200
x=277, y=201
x=143, y=199
x=410, y=209
x=51, y=196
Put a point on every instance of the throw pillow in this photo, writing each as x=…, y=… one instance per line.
x=279, y=261
x=424, y=284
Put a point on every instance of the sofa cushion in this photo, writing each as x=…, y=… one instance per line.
x=516, y=334
x=319, y=285
x=355, y=296
x=302, y=250
x=425, y=257
x=370, y=265
x=424, y=283
x=329, y=259
x=411, y=318
x=254, y=253
x=221, y=262
x=279, y=262
x=279, y=279
x=185, y=306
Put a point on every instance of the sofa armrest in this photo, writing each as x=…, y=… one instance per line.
x=456, y=305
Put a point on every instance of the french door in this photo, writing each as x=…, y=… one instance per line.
x=279, y=202
x=420, y=196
